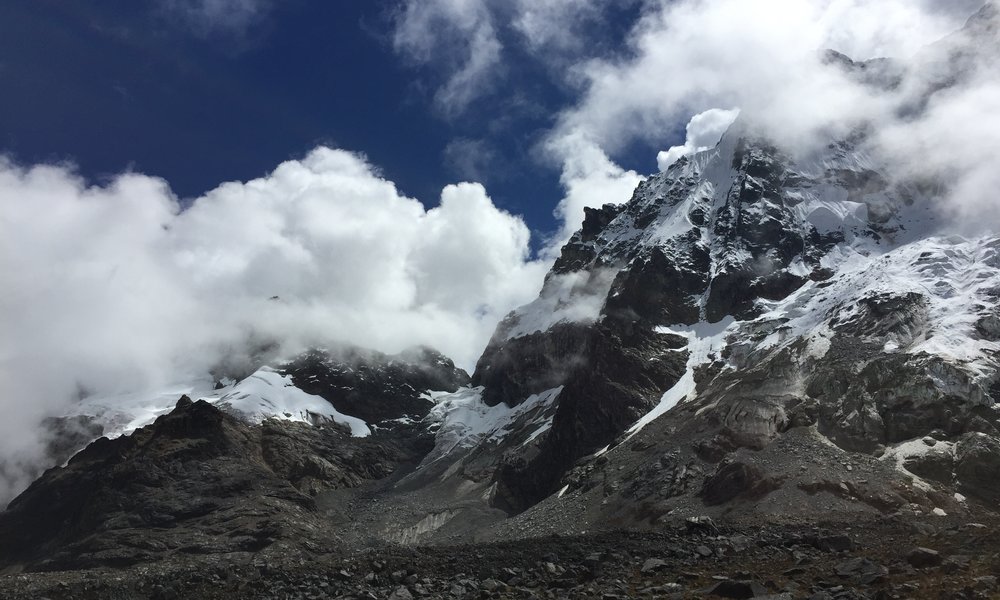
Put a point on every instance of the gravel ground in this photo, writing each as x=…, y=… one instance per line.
x=887, y=558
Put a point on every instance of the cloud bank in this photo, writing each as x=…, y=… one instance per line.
x=767, y=60
x=684, y=59
x=114, y=288
x=763, y=57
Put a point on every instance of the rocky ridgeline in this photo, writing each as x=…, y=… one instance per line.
x=197, y=481
x=378, y=388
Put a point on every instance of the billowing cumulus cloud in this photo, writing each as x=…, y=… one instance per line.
x=115, y=288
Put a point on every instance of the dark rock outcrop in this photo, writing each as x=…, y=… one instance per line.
x=609, y=382
x=196, y=481
x=735, y=481
x=977, y=466
x=373, y=386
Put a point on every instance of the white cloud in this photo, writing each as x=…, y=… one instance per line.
x=459, y=38
x=955, y=142
x=682, y=57
x=689, y=56
x=463, y=41
x=554, y=25
x=704, y=131
x=205, y=18
x=764, y=58
x=474, y=160
x=114, y=288
x=590, y=179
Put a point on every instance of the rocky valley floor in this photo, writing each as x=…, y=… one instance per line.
x=886, y=558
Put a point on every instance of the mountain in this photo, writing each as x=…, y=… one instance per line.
x=778, y=304
x=253, y=464
x=757, y=339
x=745, y=296
x=353, y=386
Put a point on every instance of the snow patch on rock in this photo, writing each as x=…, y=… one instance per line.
x=263, y=395
x=122, y=413
x=268, y=394
x=704, y=340
x=466, y=421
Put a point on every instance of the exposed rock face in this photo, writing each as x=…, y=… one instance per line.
x=203, y=479
x=512, y=370
x=579, y=253
x=616, y=379
x=196, y=481
x=736, y=480
x=744, y=233
x=977, y=463
x=937, y=464
x=376, y=387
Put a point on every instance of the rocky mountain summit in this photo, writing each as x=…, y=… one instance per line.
x=757, y=342
x=378, y=388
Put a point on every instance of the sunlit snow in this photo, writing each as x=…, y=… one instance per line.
x=465, y=420
x=704, y=339
x=268, y=394
x=263, y=395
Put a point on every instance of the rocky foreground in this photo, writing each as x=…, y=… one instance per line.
x=887, y=558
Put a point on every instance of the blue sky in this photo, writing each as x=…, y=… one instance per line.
x=144, y=86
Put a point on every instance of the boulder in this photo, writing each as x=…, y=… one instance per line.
x=923, y=558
